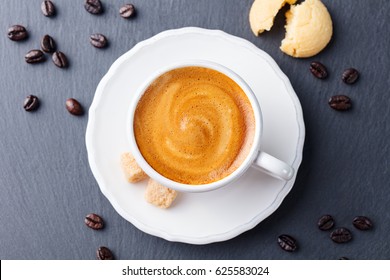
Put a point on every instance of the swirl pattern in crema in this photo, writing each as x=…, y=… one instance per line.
x=194, y=125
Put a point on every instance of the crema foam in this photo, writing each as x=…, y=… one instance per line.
x=194, y=125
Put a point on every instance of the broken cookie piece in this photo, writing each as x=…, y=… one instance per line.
x=131, y=169
x=263, y=12
x=159, y=195
x=308, y=29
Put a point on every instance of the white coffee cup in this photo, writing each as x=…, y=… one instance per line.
x=255, y=158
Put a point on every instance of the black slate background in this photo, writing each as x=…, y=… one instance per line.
x=46, y=186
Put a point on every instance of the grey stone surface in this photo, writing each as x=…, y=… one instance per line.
x=46, y=186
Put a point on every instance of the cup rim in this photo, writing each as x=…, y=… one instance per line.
x=248, y=161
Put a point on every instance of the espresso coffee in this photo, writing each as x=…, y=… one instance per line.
x=194, y=125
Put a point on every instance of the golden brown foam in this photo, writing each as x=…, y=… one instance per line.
x=194, y=125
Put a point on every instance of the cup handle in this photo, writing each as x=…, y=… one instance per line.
x=273, y=166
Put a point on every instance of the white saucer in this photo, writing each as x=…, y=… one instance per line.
x=197, y=218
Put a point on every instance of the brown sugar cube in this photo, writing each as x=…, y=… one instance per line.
x=131, y=169
x=159, y=195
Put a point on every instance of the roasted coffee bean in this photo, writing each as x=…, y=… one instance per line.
x=48, y=44
x=74, y=107
x=341, y=235
x=48, y=8
x=362, y=223
x=17, y=33
x=325, y=222
x=93, y=6
x=35, y=56
x=350, y=76
x=60, y=59
x=340, y=102
x=31, y=103
x=127, y=11
x=287, y=243
x=94, y=221
x=318, y=70
x=103, y=253
x=98, y=40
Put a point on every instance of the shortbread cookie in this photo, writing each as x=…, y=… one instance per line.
x=263, y=12
x=308, y=29
x=131, y=169
x=159, y=195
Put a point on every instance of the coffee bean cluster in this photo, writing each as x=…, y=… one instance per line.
x=342, y=234
x=95, y=222
x=48, y=46
x=95, y=7
x=349, y=76
x=326, y=223
x=339, y=102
